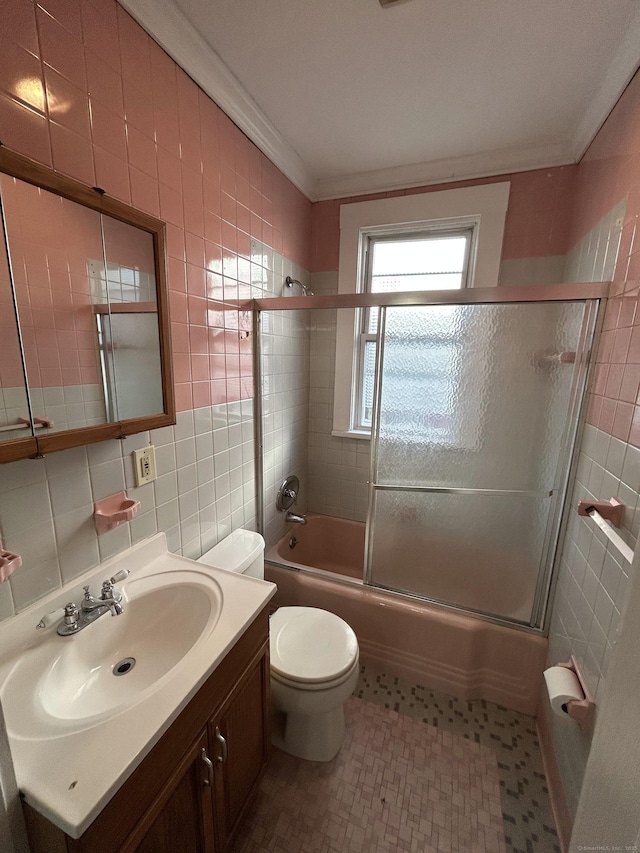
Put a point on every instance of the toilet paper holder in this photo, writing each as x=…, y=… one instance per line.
x=580, y=710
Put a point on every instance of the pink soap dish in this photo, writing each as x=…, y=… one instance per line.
x=8, y=563
x=114, y=510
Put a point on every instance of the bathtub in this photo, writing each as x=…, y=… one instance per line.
x=428, y=644
x=330, y=544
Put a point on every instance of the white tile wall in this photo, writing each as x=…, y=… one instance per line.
x=205, y=489
x=285, y=383
x=285, y=402
x=592, y=586
x=592, y=577
x=266, y=273
x=593, y=258
x=338, y=467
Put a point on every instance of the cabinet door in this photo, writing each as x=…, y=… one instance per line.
x=181, y=819
x=239, y=738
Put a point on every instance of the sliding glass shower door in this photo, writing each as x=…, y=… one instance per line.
x=475, y=414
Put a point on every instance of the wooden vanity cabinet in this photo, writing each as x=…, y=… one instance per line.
x=192, y=790
x=240, y=749
x=181, y=818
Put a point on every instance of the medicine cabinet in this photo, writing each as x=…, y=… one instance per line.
x=85, y=350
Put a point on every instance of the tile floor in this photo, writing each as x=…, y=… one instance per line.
x=419, y=771
x=529, y=826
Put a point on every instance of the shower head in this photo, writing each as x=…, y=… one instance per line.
x=291, y=281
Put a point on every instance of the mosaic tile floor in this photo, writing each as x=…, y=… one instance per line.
x=469, y=780
x=529, y=826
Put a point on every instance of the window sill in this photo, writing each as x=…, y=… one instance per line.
x=351, y=433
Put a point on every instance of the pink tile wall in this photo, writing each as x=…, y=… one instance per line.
x=50, y=240
x=86, y=91
x=127, y=246
x=537, y=223
x=609, y=172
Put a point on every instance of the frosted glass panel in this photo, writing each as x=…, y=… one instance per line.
x=480, y=551
x=475, y=396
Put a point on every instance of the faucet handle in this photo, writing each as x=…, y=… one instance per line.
x=120, y=576
x=108, y=592
x=50, y=619
x=107, y=589
x=71, y=614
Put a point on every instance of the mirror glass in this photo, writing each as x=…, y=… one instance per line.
x=86, y=292
x=14, y=406
x=127, y=323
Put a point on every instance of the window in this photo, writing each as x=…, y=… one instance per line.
x=435, y=259
x=423, y=241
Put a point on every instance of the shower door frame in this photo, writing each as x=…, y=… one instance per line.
x=557, y=493
x=595, y=293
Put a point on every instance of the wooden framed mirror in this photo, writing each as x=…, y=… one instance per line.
x=85, y=351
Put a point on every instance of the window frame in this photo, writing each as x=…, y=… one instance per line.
x=484, y=206
x=467, y=227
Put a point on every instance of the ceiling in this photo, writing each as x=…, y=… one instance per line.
x=348, y=97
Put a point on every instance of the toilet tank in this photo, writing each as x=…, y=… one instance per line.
x=242, y=551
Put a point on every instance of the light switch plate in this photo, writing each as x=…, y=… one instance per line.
x=144, y=464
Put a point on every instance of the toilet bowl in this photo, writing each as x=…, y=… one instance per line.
x=314, y=661
x=314, y=670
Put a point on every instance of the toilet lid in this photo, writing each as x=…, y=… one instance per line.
x=310, y=645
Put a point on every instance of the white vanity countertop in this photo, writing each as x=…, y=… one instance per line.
x=68, y=770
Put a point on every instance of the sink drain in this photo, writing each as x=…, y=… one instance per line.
x=124, y=666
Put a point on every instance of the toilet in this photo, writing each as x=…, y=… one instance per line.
x=314, y=661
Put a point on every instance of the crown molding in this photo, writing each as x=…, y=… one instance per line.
x=623, y=66
x=177, y=35
x=447, y=170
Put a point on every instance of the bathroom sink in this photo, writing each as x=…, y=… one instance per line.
x=72, y=683
x=77, y=730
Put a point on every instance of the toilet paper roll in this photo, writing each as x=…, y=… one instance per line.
x=563, y=686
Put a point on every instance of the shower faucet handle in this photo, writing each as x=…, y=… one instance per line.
x=287, y=493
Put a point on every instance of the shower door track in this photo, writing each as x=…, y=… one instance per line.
x=572, y=292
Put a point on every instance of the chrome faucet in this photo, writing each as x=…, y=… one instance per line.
x=92, y=608
x=294, y=518
x=109, y=599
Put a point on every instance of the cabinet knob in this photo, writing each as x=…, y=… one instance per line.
x=223, y=743
x=209, y=765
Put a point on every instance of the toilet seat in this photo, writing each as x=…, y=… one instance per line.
x=317, y=685
x=311, y=648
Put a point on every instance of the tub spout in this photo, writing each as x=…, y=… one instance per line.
x=294, y=518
